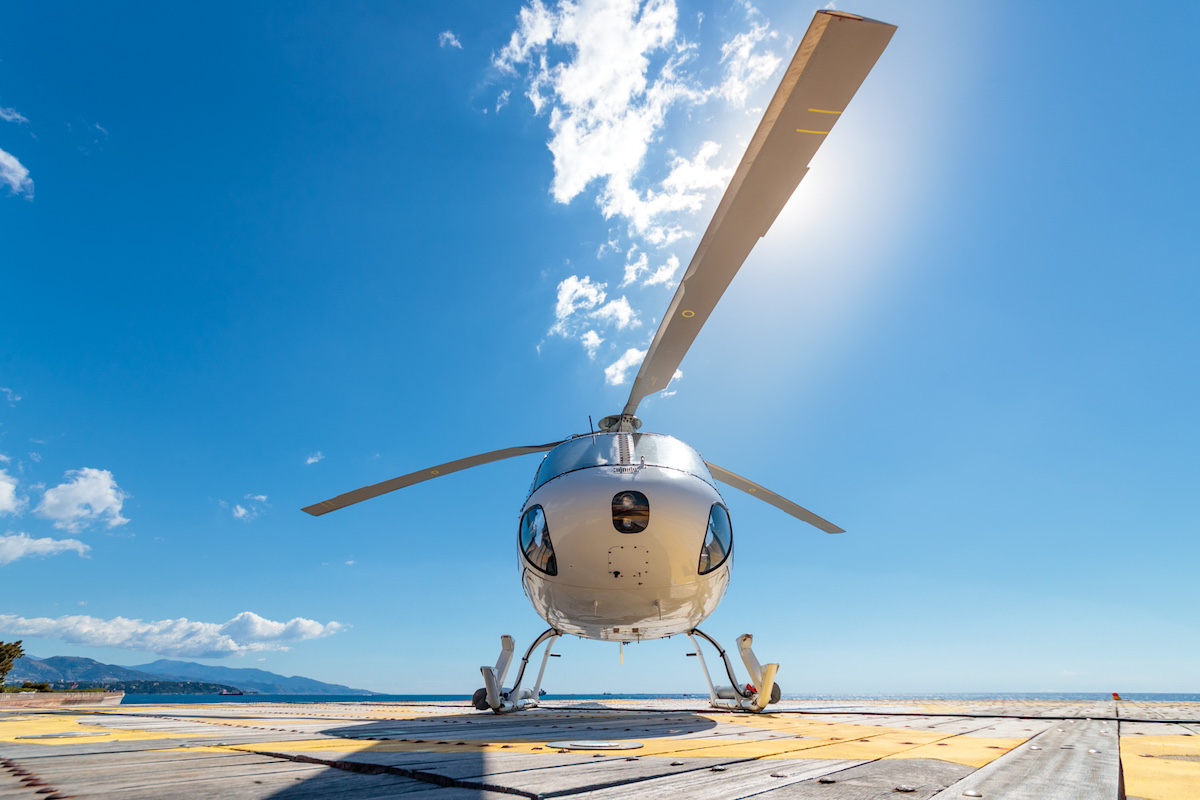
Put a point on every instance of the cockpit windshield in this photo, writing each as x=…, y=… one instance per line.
x=616, y=449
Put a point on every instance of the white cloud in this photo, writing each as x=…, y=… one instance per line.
x=617, y=312
x=12, y=397
x=665, y=274
x=591, y=343
x=615, y=373
x=350, y=563
x=13, y=173
x=255, y=505
x=635, y=269
x=746, y=67
x=668, y=391
x=11, y=115
x=35, y=458
x=575, y=294
x=684, y=190
x=314, y=458
x=604, y=74
x=502, y=100
x=606, y=100
x=10, y=503
x=22, y=545
x=245, y=633
x=448, y=39
x=89, y=495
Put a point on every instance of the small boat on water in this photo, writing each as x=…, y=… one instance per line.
x=229, y=692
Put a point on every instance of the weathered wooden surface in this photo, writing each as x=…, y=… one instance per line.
x=23, y=700
x=833, y=750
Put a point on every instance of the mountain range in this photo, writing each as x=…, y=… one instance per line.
x=68, y=669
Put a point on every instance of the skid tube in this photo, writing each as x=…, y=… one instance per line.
x=737, y=696
x=502, y=700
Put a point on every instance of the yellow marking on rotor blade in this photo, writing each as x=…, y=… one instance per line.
x=433, y=472
x=815, y=133
x=823, y=111
x=689, y=314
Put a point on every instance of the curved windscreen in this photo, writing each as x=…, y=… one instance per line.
x=718, y=542
x=535, y=541
x=615, y=449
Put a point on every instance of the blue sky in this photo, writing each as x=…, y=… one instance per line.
x=252, y=257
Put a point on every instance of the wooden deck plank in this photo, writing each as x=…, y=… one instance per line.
x=350, y=751
x=731, y=782
x=877, y=779
x=1079, y=761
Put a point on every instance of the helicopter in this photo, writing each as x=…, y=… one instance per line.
x=624, y=536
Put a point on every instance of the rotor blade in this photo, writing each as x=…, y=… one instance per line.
x=367, y=492
x=831, y=63
x=767, y=496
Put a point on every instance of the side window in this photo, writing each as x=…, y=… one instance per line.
x=718, y=542
x=535, y=541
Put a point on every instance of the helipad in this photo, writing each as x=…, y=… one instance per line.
x=830, y=750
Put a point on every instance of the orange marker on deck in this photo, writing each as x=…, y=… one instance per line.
x=1116, y=696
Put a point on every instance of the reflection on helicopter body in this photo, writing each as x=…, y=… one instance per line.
x=624, y=537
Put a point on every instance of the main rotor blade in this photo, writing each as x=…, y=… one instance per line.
x=831, y=63
x=767, y=496
x=367, y=492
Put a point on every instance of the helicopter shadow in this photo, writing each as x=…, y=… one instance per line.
x=459, y=755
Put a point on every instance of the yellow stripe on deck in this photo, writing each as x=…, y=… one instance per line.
x=1162, y=767
x=71, y=730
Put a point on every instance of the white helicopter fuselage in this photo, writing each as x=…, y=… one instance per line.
x=624, y=537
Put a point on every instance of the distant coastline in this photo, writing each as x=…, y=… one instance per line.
x=166, y=677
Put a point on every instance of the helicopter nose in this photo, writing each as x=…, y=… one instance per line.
x=630, y=512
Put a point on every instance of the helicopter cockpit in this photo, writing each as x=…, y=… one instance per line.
x=621, y=449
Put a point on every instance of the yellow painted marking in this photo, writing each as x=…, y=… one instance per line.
x=840, y=740
x=818, y=741
x=815, y=133
x=823, y=111
x=40, y=725
x=970, y=751
x=1161, y=767
x=689, y=314
x=433, y=472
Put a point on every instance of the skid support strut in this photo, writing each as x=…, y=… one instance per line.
x=754, y=696
x=502, y=700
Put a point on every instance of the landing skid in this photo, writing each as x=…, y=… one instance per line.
x=502, y=700
x=753, y=697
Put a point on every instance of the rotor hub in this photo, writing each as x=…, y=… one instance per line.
x=620, y=423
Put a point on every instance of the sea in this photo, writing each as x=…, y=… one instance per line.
x=455, y=699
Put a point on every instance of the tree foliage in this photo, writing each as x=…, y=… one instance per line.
x=8, y=654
